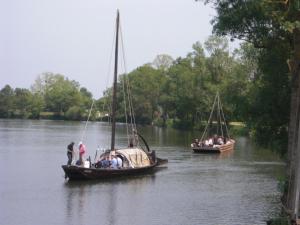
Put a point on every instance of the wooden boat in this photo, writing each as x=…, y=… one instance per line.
x=229, y=146
x=129, y=167
x=218, y=142
x=134, y=159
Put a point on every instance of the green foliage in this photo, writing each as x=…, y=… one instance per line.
x=268, y=26
x=37, y=105
x=6, y=102
x=183, y=91
x=50, y=92
x=74, y=113
x=283, y=220
x=269, y=102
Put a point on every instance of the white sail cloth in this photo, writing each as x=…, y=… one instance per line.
x=137, y=157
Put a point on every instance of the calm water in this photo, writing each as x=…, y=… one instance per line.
x=237, y=188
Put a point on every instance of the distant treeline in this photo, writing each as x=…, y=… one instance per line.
x=176, y=93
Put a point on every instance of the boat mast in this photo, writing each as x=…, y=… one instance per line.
x=113, y=124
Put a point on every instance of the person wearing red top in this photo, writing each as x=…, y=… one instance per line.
x=82, y=150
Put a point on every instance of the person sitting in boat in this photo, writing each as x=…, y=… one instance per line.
x=195, y=143
x=114, y=162
x=220, y=141
x=70, y=152
x=119, y=162
x=103, y=163
x=82, y=150
x=215, y=140
x=208, y=142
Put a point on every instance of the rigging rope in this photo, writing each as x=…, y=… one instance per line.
x=129, y=95
x=83, y=133
x=124, y=82
x=106, y=104
x=219, y=114
x=224, y=120
x=212, y=110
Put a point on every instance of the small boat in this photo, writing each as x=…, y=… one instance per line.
x=214, y=140
x=131, y=160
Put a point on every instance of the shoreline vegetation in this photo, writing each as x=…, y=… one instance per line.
x=176, y=93
x=236, y=128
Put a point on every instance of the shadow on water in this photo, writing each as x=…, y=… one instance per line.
x=107, y=195
x=138, y=179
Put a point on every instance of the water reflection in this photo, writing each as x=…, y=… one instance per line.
x=107, y=198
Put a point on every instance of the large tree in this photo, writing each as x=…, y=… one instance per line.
x=270, y=24
x=62, y=95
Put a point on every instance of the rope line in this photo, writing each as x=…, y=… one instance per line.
x=212, y=110
x=83, y=133
x=129, y=94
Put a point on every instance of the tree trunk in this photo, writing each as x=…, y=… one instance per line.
x=293, y=147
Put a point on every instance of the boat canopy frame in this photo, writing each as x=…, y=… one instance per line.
x=221, y=121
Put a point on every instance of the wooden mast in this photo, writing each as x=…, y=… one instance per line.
x=113, y=124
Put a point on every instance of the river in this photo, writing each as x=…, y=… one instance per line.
x=239, y=188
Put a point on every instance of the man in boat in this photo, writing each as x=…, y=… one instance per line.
x=70, y=152
x=215, y=139
x=134, y=139
x=103, y=163
x=195, y=143
x=116, y=162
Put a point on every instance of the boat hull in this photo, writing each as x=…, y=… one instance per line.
x=81, y=173
x=219, y=149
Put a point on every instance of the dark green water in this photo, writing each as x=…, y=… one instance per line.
x=232, y=189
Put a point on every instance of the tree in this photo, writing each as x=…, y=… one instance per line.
x=145, y=83
x=6, y=101
x=60, y=95
x=59, y=92
x=270, y=24
x=22, y=102
x=37, y=105
x=162, y=62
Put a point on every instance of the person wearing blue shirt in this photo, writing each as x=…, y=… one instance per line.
x=119, y=162
x=114, y=163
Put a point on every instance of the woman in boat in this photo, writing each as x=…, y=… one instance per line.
x=82, y=150
x=208, y=142
x=220, y=141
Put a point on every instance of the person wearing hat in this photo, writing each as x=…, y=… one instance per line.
x=70, y=152
x=82, y=150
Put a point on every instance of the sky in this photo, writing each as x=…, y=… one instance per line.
x=74, y=37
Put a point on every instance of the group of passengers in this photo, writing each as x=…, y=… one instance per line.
x=210, y=142
x=115, y=162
